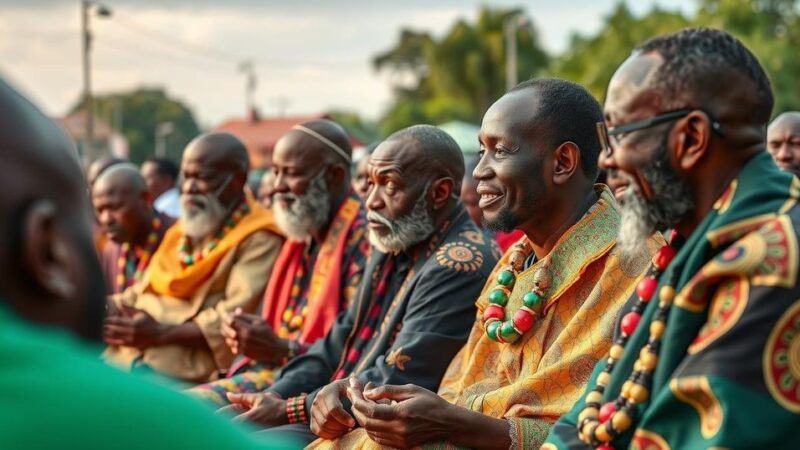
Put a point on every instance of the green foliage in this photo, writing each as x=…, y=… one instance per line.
x=458, y=76
x=142, y=110
x=366, y=132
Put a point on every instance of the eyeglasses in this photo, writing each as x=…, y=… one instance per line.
x=606, y=135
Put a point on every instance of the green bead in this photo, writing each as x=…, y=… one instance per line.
x=508, y=332
x=506, y=278
x=491, y=329
x=498, y=297
x=532, y=300
x=188, y=260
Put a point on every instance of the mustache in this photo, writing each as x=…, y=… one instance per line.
x=373, y=216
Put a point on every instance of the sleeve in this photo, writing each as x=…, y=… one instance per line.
x=315, y=368
x=246, y=281
x=437, y=321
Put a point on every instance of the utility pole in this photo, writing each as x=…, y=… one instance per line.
x=88, y=100
x=248, y=69
x=510, y=26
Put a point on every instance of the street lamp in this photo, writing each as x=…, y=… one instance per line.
x=163, y=130
x=88, y=101
x=511, y=24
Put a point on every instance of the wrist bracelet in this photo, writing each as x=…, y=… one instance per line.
x=296, y=409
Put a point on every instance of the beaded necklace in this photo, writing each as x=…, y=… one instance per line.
x=598, y=424
x=188, y=256
x=129, y=255
x=494, y=316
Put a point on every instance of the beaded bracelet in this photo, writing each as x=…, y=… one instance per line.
x=296, y=409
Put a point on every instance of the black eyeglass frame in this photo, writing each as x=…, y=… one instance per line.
x=604, y=132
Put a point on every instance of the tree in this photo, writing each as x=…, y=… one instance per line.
x=458, y=76
x=142, y=110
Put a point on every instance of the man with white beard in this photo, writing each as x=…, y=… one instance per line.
x=320, y=265
x=215, y=260
x=415, y=308
x=707, y=353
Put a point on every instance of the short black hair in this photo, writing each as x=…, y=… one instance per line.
x=696, y=59
x=440, y=147
x=570, y=113
x=164, y=167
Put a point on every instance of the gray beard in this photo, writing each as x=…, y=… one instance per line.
x=672, y=203
x=200, y=222
x=306, y=212
x=404, y=231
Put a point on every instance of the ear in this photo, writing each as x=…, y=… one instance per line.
x=692, y=139
x=566, y=160
x=442, y=190
x=45, y=252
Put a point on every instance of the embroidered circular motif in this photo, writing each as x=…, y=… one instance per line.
x=727, y=307
x=647, y=440
x=460, y=256
x=782, y=360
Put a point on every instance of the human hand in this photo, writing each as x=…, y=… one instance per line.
x=415, y=416
x=329, y=420
x=132, y=327
x=249, y=335
x=263, y=408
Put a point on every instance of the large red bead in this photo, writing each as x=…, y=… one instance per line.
x=493, y=312
x=523, y=320
x=663, y=257
x=604, y=447
x=629, y=323
x=646, y=288
x=606, y=411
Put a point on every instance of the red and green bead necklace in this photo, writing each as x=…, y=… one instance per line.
x=129, y=254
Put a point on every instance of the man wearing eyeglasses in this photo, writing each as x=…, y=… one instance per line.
x=708, y=355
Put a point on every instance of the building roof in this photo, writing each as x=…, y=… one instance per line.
x=75, y=125
x=260, y=135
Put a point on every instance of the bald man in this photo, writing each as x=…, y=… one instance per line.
x=783, y=141
x=414, y=311
x=51, y=307
x=124, y=210
x=215, y=260
x=321, y=263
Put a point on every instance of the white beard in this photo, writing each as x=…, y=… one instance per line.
x=404, y=231
x=306, y=212
x=199, y=222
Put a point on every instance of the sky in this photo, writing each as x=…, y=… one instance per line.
x=310, y=55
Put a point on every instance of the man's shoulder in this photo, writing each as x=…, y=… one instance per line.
x=466, y=250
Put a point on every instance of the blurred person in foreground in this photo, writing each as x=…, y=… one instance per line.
x=57, y=393
x=215, y=259
x=705, y=353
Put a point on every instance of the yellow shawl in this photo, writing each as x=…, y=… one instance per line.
x=169, y=277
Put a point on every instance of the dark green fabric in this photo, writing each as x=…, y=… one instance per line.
x=732, y=364
x=58, y=395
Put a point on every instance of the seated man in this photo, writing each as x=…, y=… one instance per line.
x=412, y=313
x=783, y=141
x=161, y=175
x=56, y=392
x=124, y=210
x=546, y=315
x=320, y=265
x=215, y=259
x=706, y=353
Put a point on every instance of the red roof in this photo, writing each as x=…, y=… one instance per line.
x=260, y=135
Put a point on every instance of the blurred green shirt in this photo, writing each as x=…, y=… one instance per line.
x=57, y=394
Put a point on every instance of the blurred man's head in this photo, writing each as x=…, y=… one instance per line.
x=50, y=270
x=684, y=113
x=783, y=141
x=98, y=166
x=361, y=176
x=266, y=188
x=469, y=192
x=160, y=174
x=416, y=177
x=311, y=165
x=214, y=169
x=123, y=205
x=539, y=154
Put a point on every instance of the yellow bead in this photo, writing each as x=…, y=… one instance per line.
x=637, y=366
x=621, y=421
x=638, y=394
x=626, y=388
x=603, y=378
x=601, y=433
x=304, y=311
x=616, y=351
x=657, y=329
x=296, y=322
x=120, y=279
x=649, y=361
x=287, y=315
x=644, y=351
x=587, y=413
x=666, y=294
x=594, y=397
